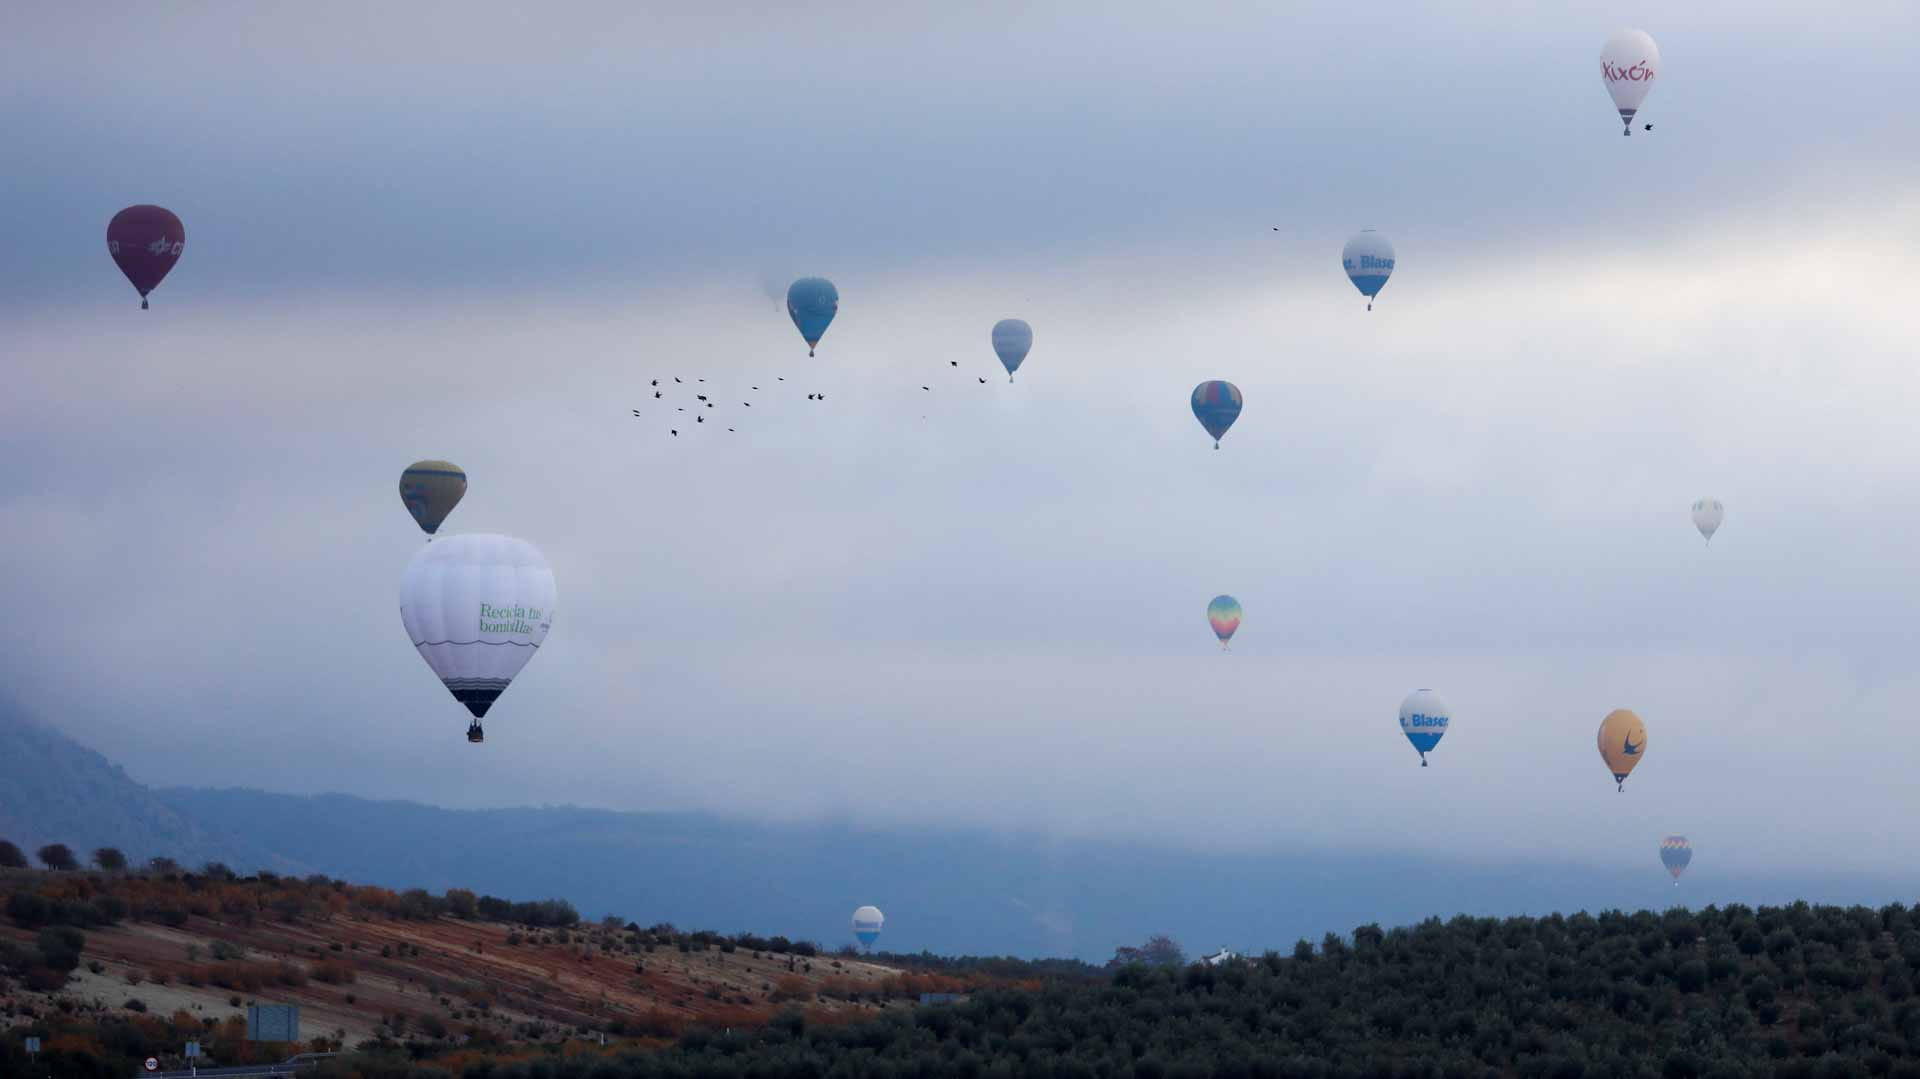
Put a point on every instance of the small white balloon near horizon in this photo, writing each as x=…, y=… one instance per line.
x=1707, y=515
x=867, y=923
x=1629, y=64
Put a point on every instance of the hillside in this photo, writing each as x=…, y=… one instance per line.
x=1798, y=991
x=54, y=790
x=368, y=964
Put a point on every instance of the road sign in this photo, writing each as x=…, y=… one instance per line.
x=193, y=1049
x=153, y=1065
x=33, y=1046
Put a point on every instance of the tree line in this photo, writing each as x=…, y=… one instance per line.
x=1720, y=993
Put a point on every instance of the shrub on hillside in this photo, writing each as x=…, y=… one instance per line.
x=334, y=972
x=11, y=856
x=58, y=857
x=110, y=859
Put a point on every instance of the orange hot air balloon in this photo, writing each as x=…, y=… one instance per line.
x=1623, y=741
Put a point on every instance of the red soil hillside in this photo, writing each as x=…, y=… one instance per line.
x=366, y=962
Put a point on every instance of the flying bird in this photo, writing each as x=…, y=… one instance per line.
x=636, y=412
x=655, y=382
x=953, y=363
x=924, y=388
x=699, y=419
x=675, y=434
x=701, y=396
x=983, y=382
x=676, y=378
x=656, y=395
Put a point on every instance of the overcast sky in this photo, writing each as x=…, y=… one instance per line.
x=478, y=231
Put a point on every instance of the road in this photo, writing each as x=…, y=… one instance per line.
x=287, y=1068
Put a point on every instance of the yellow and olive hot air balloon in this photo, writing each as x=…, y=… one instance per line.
x=1623, y=741
x=430, y=490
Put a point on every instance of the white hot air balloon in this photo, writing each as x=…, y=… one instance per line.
x=1707, y=515
x=867, y=922
x=1629, y=63
x=477, y=608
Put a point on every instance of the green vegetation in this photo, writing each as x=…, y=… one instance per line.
x=1733, y=992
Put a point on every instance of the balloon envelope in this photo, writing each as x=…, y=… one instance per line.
x=1623, y=742
x=1012, y=338
x=812, y=303
x=1223, y=614
x=430, y=490
x=145, y=242
x=1368, y=259
x=1423, y=719
x=1676, y=854
x=477, y=607
x=867, y=922
x=1707, y=515
x=1629, y=63
x=1216, y=405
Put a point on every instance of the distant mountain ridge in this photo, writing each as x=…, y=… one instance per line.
x=55, y=790
x=949, y=891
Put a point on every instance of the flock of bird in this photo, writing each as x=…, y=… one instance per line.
x=812, y=303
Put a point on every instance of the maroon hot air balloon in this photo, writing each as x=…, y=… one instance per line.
x=145, y=242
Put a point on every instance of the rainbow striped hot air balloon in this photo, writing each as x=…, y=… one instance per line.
x=1224, y=615
x=1216, y=404
x=1676, y=854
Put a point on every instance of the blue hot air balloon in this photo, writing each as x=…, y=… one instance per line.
x=1368, y=259
x=1216, y=405
x=867, y=922
x=811, y=303
x=1012, y=338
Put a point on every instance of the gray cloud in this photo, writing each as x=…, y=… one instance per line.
x=985, y=603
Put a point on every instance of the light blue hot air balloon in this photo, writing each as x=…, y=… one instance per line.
x=867, y=922
x=1012, y=338
x=1216, y=405
x=811, y=303
x=1424, y=718
x=1368, y=259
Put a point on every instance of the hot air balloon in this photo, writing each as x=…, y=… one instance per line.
x=477, y=608
x=866, y=925
x=1707, y=515
x=1623, y=741
x=1224, y=615
x=811, y=303
x=145, y=242
x=1676, y=854
x=430, y=490
x=1368, y=258
x=1012, y=338
x=1216, y=405
x=1423, y=719
x=1629, y=62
